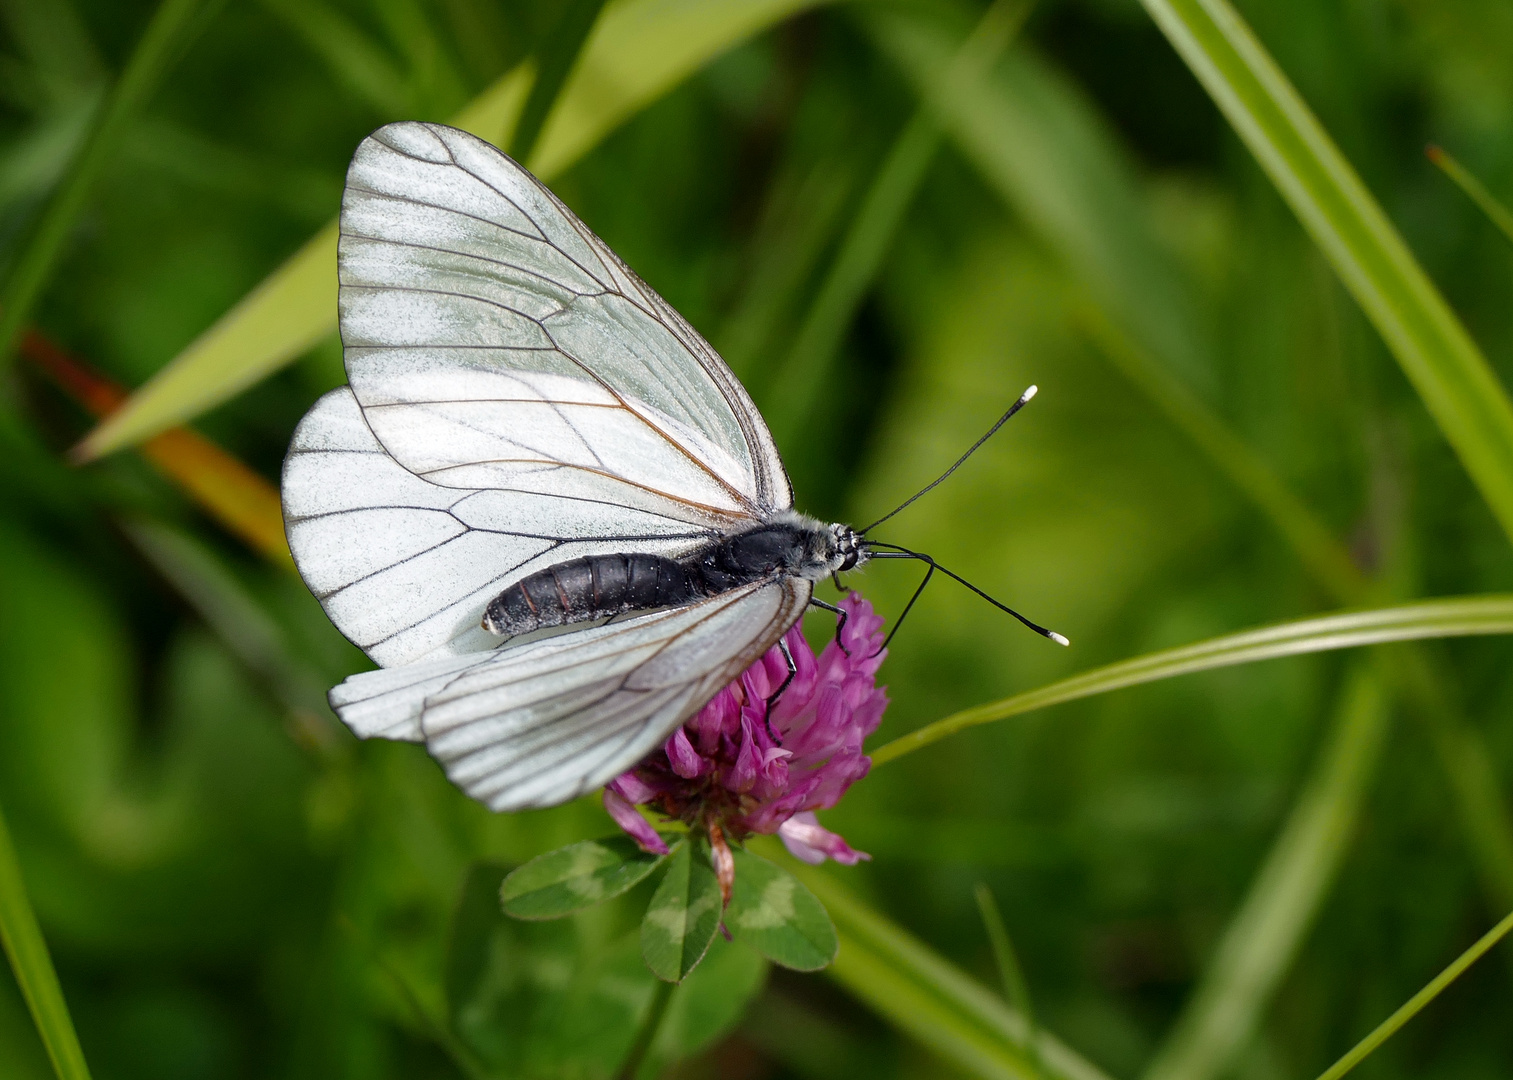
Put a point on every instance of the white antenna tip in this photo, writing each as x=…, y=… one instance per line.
x=1031, y=392
x=1057, y=638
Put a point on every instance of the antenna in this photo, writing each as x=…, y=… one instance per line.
x=896, y=552
x=1024, y=400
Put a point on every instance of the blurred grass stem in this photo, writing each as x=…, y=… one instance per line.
x=1016, y=987
x=1324, y=557
x=1411, y=1008
x=33, y=967
x=646, y=1034
x=1500, y=215
x=160, y=45
x=1261, y=939
x=440, y=1032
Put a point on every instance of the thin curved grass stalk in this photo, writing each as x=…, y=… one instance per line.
x=1411, y=1008
x=1475, y=190
x=1441, y=360
x=1016, y=989
x=33, y=967
x=1448, y=617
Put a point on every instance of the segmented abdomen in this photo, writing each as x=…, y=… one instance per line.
x=593, y=587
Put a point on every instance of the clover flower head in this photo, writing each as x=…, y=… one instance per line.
x=724, y=772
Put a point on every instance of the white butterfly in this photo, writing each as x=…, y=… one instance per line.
x=529, y=431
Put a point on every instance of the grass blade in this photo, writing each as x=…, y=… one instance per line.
x=1410, y=1008
x=1261, y=939
x=33, y=966
x=555, y=60
x=637, y=51
x=1439, y=357
x=1450, y=617
x=236, y=496
x=924, y=995
x=159, y=46
x=1016, y=989
x=798, y=383
x=1501, y=216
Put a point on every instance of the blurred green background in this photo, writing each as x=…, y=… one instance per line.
x=232, y=887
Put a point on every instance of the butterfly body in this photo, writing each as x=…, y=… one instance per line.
x=599, y=586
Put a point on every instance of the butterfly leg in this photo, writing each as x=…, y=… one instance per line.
x=772, y=698
x=840, y=624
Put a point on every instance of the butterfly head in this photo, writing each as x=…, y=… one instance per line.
x=806, y=547
x=850, y=547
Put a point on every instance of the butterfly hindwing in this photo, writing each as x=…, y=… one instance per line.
x=543, y=722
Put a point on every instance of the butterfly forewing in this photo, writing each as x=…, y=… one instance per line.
x=523, y=342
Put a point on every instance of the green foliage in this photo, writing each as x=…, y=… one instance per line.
x=577, y=876
x=684, y=915
x=161, y=43
x=1238, y=871
x=772, y=912
x=1439, y=357
x=568, y=997
x=33, y=967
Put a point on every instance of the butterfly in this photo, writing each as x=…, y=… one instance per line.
x=543, y=504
